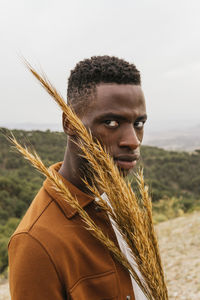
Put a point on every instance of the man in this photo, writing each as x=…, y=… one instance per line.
x=51, y=254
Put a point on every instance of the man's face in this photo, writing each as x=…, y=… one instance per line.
x=116, y=117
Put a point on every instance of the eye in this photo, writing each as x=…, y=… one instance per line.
x=139, y=125
x=112, y=123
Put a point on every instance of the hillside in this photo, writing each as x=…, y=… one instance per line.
x=173, y=177
x=179, y=241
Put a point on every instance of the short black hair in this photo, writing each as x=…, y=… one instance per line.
x=98, y=69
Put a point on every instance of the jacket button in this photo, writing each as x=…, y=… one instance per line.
x=128, y=297
x=97, y=208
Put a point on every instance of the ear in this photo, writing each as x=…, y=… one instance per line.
x=67, y=126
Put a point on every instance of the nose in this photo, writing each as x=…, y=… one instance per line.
x=129, y=138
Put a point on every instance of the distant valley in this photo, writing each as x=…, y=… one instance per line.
x=187, y=139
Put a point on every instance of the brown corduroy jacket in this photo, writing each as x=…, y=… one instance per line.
x=53, y=257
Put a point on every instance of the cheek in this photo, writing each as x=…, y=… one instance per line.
x=106, y=138
x=140, y=135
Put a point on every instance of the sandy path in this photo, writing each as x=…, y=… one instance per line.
x=4, y=291
x=180, y=248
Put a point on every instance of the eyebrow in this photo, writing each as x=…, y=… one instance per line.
x=120, y=117
x=143, y=117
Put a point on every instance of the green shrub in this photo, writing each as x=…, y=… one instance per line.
x=5, y=233
x=168, y=208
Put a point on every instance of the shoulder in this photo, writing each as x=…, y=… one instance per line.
x=46, y=226
x=31, y=270
x=42, y=213
x=40, y=225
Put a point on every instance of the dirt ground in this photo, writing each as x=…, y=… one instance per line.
x=4, y=290
x=180, y=250
x=179, y=241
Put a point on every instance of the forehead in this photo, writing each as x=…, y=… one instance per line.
x=118, y=98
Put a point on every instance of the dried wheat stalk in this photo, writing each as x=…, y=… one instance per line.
x=135, y=224
x=65, y=194
x=133, y=221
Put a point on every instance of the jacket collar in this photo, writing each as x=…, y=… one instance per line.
x=83, y=198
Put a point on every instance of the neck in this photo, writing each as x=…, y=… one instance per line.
x=73, y=170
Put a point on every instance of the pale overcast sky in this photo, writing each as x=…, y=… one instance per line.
x=162, y=37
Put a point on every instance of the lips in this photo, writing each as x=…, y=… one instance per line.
x=126, y=162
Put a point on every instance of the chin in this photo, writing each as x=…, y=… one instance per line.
x=125, y=172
